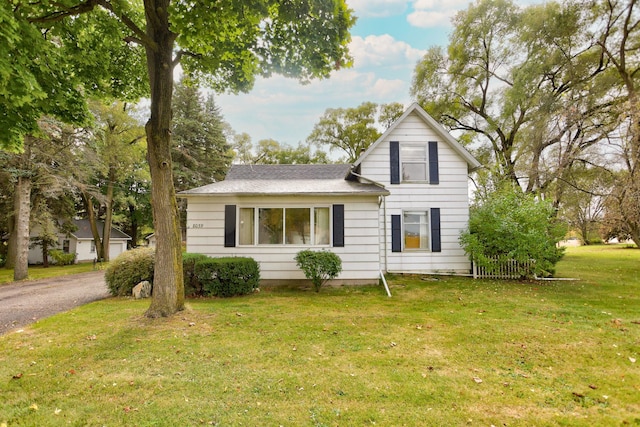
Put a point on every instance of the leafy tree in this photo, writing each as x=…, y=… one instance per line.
x=271, y=152
x=112, y=148
x=584, y=201
x=617, y=28
x=200, y=154
x=352, y=130
x=42, y=173
x=512, y=225
x=223, y=43
x=526, y=85
x=46, y=71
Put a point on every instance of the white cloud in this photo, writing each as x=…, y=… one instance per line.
x=383, y=50
x=429, y=19
x=378, y=8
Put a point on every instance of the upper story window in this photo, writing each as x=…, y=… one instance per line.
x=414, y=162
x=289, y=226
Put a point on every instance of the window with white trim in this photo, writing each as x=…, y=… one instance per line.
x=416, y=230
x=414, y=162
x=284, y=226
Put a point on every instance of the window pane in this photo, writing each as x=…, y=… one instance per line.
x=298, y=226
x=270, y=226
x=414, y=171
x=416, y=230
x=321, y=228
x=246, y=226
x=413, y=152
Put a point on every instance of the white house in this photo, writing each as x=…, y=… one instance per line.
x=82, y=244
x=399, y=208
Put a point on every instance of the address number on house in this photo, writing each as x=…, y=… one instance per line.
x=197, y=226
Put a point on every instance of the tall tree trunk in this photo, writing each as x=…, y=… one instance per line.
x=45, y=254
x=168, y=286
x=12, y=243
x=22, y=214
x=88, y=204
x=108, y=218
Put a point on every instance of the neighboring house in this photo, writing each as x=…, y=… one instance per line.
x=151, y=240
x=82, y=244
x=399, y=208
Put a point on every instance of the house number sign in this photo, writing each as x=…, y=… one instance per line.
x=197, y=225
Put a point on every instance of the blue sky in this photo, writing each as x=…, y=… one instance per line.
x=388, y=39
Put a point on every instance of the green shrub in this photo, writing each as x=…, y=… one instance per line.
x=319, y=266
x=129, y=269
x=62, y=258
x=226, y=277
x=192, y=286
x=511, y=225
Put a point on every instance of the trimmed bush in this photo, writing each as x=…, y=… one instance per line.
x=226, y=277
x=192, y=286
x=319, y=267
x=62, y=258
x=129, y=269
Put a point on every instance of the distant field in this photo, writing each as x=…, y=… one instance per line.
x=442, y=351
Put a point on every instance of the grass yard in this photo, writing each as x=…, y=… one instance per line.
x=38, y=272
x=441, y=352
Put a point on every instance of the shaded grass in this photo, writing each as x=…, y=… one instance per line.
x=38, y=272
x=441, y=351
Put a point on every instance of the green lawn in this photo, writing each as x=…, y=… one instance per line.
x=442, y=351
x=38, y=272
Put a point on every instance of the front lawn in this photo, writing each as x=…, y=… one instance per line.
x=442, y=351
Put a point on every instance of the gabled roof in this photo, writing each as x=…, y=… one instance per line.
x=432, y=123
x=84, y=230
x=248, y=180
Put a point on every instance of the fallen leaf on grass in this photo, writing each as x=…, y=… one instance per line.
x=33, y=407
x=477, y=380
x=17, y=376
x=57, y=411
x=632, y=359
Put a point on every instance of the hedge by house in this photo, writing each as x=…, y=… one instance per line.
x=229, y=276
x=192, y=286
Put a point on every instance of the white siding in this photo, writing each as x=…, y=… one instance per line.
x=360, y=255
x=450, y=195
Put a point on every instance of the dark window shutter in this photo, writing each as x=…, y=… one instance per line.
x=396, y=233
x=435, y=230
x=338, y=226
x=229, y=226
x=434, y=177
x=394, y=159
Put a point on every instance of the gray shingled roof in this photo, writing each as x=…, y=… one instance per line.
x=287, y=180
x=251, y=172
x=84, y=230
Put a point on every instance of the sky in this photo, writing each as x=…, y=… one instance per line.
x=388, y=39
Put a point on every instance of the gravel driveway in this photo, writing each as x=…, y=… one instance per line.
x=25, y=302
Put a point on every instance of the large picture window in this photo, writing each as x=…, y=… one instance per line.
x=416, y=230
x=414, y=162
x=289, y=226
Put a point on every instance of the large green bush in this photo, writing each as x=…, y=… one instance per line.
x=511, y=225
x=226, y=277
x=129, y=269
x=62, y=258
x=319, y=266
x=192, y=286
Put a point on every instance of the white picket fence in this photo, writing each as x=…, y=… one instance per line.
x=504, y=269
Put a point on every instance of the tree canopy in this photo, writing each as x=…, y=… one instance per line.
x=224, y=43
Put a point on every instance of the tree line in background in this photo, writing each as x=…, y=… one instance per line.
x=546, y=97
